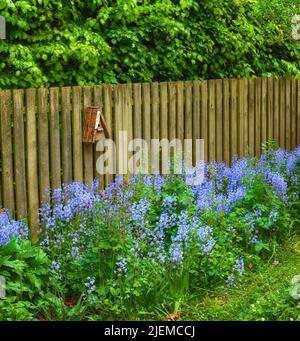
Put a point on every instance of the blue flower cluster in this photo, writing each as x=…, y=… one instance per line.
x=10, y=228
x=64, y=220
x=162, y=226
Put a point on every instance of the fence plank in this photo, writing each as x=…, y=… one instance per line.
x=270, y=110
x=137, y=111
x=293, y=113
x=66, y=135
x=55, y=157
x=219, y=121
x=204, y=119
x=257, y=116
x=98, y=101
x=88, y=158
x=264, y=115
x=137, y=115
x=298, y=111
x=32, y=163
x=196, y=119
x=118, y=116
x=244, y=117
x=163, y=118
x=7, y=151
x=288, y=114
x=19, y=153
x=146, y=121
x=180, y=111
x=211, y=121
x=77, y=134
x=282, y=125
x=226, y=121
x=108, y=106
x=43, y=143
x=172, y=110
x=276, y=110
x=146, y=112
x=251, y=117
x=233, y=117
x=154, y=122
x=188, y=111
x=127, y=121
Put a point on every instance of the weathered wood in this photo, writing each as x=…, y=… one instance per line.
x=32, y=163
x=66, y=135
x=88, y=148
x=196, y=117
x=180, y=111
x=43, y=143
x=264, y=115
x=276, y=120
x=282, y=125
x=204, y=119
x=98, y=102
x=251, y=117
x=55, y=150
x=127, y=122
x=172, y=110
x=298, y=111
x=188, y=111
x=226, y=121
x=258, y=141
x=211, y=120
x=155, y=133
x=219, y=121
x=233, y=118
x=163, y=117
x=146, y=111
x=243, y=123
x=19, y=153
x=270, y=104
x=107, y=111
x=288, y=114
x=8, y=197
x=118, y=123
x=137, y=116
x=137, y=111
x=77, y=134
x=293, y=113
x=146, y=123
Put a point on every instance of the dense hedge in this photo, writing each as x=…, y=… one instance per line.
x=60, y=42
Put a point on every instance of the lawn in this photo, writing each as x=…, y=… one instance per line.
x=263, y=295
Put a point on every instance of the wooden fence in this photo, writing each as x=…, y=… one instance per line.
x=41, y=129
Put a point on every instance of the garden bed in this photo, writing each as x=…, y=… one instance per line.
x=146, y=247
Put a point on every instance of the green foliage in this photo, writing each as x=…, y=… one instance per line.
x=58, y=42
x=25, y=269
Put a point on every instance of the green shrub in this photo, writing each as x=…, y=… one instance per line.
x=56, y=43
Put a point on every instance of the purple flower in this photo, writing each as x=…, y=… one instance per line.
x=10, y=228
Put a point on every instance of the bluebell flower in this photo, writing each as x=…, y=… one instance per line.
x=10, y=228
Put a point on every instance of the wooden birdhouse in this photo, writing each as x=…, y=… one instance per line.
x=94, y=126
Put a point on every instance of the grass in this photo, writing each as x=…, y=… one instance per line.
x=264, y=294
